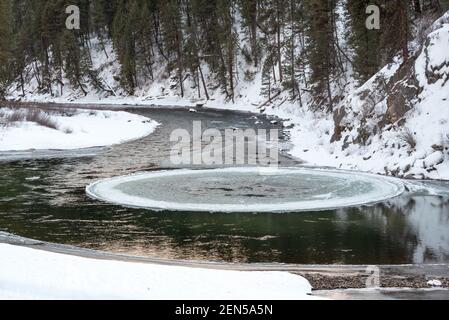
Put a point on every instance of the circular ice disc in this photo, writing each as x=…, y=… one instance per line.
x=246, y=190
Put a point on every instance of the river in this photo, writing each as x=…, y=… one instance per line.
x=44, y=198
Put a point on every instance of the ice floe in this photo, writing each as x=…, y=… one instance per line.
x=246, y=189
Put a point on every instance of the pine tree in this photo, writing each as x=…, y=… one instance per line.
x=173, y=39
x=5, y=44
x=270, y=28
x=23, y=42
x=249, y=11
x=292, y=42
x=321, y=50
x=228, y=42
x=292, y=63
x=267, y=77
x=395, y=29
x=145, y=55
x=364, y=42
x=124, y=42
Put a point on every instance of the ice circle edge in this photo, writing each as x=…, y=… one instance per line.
x=111, y=195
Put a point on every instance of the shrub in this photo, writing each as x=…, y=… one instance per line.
x=424, y=27
x=409, y=138
x=41, y=118
x=31, y=115
x=249, y=76
x=68, y=131
x=16, y=116
x=363, y=135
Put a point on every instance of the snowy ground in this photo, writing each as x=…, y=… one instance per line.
x=71, y=129
x=33, y=274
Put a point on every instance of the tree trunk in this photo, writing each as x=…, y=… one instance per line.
x=292, y=62
x=404, y=28
x=204, y=82
x=417, y=7
x=281, y=76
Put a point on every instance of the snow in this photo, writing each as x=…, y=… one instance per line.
x=83, y=129
x=435, y=283
x=168, y=192
x=385, y=152
x=32, y=274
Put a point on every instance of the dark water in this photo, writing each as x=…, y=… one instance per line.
x=45, y=200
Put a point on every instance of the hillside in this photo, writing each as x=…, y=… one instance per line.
x=394, y=124
x=317, y=70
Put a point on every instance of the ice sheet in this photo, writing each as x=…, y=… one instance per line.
x=246, y=190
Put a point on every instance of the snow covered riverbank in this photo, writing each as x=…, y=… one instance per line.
x=25, y=129
x=33, y=274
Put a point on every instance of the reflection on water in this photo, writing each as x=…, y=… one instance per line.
x=415, y=227
x=427, y=217
x=45, y=200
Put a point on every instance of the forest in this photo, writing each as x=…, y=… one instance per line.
x=294, y=44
